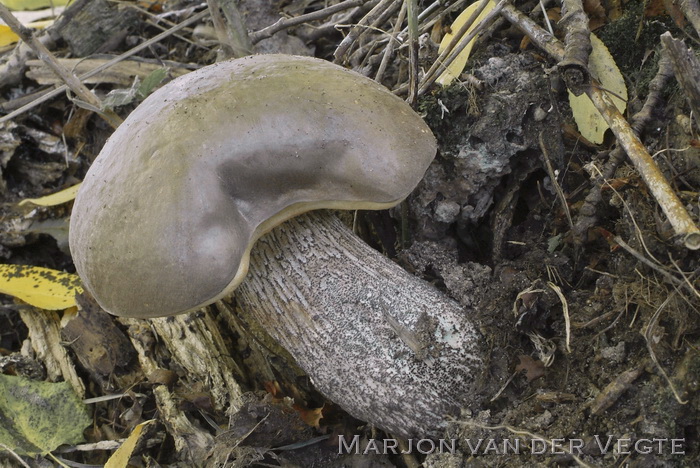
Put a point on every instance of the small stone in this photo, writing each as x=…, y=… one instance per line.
x=614, y=354
x=447, y=211
x=540, y=114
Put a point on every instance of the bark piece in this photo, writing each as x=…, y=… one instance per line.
x=686, y=67
x=99, y=26
x=574, y=65
x=102, y=349
x=45, y=333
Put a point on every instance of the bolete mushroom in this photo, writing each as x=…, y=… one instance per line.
x=168, y=215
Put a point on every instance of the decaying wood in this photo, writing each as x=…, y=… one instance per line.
x=385, y=345
x=588, y=213
x=102, y=349
x=45, y=335
x=61, y=89
x=691, y=10
x=191, y=441
x=98, y=26
x=120, y=74
x=686, y=67
x=577, y=40
x=196, y=344
x=66, y=75
x=12, y=67
x=671, y=205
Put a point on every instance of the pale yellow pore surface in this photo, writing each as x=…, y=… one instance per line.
x=167, y=214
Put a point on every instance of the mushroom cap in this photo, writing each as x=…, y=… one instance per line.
x=167, y=214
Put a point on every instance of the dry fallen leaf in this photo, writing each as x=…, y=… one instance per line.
x=120, y=458
x=603, y=68
x=41, y=287
x=456, y=67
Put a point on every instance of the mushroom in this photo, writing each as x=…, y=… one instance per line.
x=168, y=216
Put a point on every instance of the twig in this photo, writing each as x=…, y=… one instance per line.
x=543, y=9
x=553, y=177
x=436, y=68
x=411, y=13
x=285, y=23
x=669, y=277
x=363, y=55
x=61, y=89
x=656, y=87
x=648, y=332
x=13, y=66
x=441, y=65
x=356, y=31
x=614, y=390
x=577, y=47
x=588, y=214
x=683, y=275
x=389, y=49
x=47, y=57
x=428, y=17
x=565, y=311
x=676, y=213
x=14, y=455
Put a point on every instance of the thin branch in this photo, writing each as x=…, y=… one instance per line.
x=648, y=337
x=588, y=214
x=47, y=57
x=61, y=89
x=389, y=49
x=454, y=41
x=285, y=23
x=676, y=213
x=669, y=277
x=356, y=31
x=441, y=65
x=577, y=47
x=553, y=177
x=412, y=15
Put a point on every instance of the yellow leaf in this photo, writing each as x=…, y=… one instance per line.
x=7, y=37
x=120, y=458
x=456, y=67
x=603, y=68
x=32, y=4
x=41, y=287
x=55, y=198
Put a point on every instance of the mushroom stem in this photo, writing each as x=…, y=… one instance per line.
x=381, y=343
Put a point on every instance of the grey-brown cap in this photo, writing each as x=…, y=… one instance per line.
x=169, y=210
